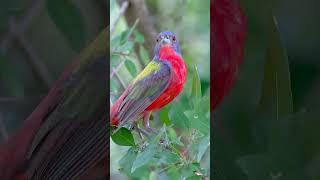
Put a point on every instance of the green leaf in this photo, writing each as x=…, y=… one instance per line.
x=144, y=55
x=126, y=47
x=138, y=37
x=168, y=158
x=178, y=118
x=189, y=170
x=276, y=98
x=145, y=156
x=196, y=84
x=173, y=173
x=126, y=34
x=131, y=67
x=153, y=176
x=174, y=139
x=198, y=121
x=123, y=137
x=164, y=115
x=69, y=21
x=203, y=146
x=205, y=105
x=127, y=160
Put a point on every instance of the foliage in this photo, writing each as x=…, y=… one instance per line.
x=46, y=34
x=268, y=140
x=180, y=148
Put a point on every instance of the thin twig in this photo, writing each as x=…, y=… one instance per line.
x=22, y=26
x=123, y=8
x=16, y=30
x=114, y=70
x=123, y=85
x=120, y=53
x=138, y=10
x=35, y=62
x=114, y=94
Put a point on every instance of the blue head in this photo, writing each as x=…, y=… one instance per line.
x=166, y=39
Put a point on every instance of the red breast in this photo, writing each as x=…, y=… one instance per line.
x=177, y=81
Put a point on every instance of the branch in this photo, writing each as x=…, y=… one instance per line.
x=123, y=85
x=16, y=30
x=123, y=8
x=19, y=99
x=38, y=67
x=138, y=10
x=114, y=70
x=21, y=27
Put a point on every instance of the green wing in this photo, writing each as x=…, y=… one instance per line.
x=144, y=89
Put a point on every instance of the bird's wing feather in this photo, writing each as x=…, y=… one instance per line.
x=64, y=139
x=144, y=89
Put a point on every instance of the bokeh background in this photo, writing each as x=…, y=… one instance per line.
x=38, y=39
x=249, y=145
x=189, y=20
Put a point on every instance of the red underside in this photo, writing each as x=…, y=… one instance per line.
x=177, y=81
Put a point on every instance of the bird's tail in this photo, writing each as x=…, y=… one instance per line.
x=115, y=109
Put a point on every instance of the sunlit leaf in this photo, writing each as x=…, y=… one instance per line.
x=126, y=34
x=174, y=139
x=164, y=115
x=131, y=67
x=196, y=84
x=144, y=55
x=189, y=170
x=198, y=121
x=203, y=146
x=123, y=137
x=138, y=37
x=145, y=156
x=168, y=157
x=127, y=160
x=178, y=118
x=153, y=175
x=126, y=47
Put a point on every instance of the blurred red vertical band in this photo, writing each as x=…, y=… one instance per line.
x=228, y=33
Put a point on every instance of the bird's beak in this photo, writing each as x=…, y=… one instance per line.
x=165, y=42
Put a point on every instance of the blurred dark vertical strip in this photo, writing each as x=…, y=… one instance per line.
x=107, y=160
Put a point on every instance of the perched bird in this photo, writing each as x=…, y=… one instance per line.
x=66, y=136
x=157, y=85
x=228, y=34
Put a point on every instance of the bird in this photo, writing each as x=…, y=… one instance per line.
x=158, y=84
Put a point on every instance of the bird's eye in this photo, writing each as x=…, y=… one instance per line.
x=157, y=40
x=173, y=38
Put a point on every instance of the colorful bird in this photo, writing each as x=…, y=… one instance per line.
x=157, y=85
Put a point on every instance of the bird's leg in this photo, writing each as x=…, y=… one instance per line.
x=139, y=130
x=146, y=118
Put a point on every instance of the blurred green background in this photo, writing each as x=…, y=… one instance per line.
x=38, y=39
x=258, y=145
x=181, y=17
